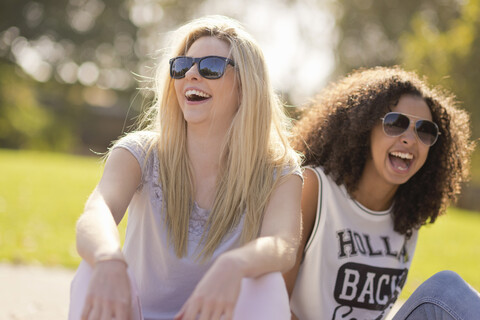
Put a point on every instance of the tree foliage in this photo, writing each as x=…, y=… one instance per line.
x=449, y=57
x=83, y=56
x=369, y=30
x=437, y=38
x=98, y=42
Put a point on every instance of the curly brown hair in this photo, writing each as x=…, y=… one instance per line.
x=334, y=132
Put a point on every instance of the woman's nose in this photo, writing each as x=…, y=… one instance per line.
x=192, y=73
x=409, y=136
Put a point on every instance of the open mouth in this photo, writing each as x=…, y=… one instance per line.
x=400, y=160
x=196, y=95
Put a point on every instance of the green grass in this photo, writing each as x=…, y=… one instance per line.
x=43, y=194
x=41, y=197
x=451, y=243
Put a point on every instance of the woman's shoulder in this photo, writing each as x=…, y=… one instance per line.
x=137, y=141
x=317, y=171
x=288, y=170
x=322, y=181
x=140, y=144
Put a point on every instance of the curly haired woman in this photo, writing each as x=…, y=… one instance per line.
x=386, y=154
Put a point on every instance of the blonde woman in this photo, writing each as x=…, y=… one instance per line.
x=213, y=191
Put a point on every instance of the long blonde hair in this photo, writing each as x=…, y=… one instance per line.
x=255, y=154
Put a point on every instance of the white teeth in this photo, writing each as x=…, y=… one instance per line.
x=402, y=155
x=190, y=93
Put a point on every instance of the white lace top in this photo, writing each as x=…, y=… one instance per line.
x=164, y=281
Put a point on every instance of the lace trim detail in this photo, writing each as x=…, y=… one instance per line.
x=198, y=216
x=198, y=223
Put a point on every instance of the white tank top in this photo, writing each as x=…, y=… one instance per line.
x=355, y=264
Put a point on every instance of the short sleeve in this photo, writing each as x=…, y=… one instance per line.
x=140, y=144
x=298, y=171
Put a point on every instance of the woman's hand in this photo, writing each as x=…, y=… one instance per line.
x=216, y=294
x=109, y=293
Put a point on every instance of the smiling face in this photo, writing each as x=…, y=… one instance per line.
x=210, y=103
x=394, y=160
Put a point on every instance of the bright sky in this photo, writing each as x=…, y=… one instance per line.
x=297, y=40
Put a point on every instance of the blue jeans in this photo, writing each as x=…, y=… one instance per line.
x=444, y=296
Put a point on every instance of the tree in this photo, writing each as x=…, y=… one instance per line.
x=94, y=42
x=83, y=55
x=24, y=122
x=436, y=38
x=449, y=57
x=369, y=30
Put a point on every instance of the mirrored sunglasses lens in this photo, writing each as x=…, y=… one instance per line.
x=180, y=66
x=212, y=67
x=394, y=124
x=427, y=131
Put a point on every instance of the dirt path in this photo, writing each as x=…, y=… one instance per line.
x=32, y=292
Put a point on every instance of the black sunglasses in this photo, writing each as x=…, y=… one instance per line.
x=395, y=124
x=209, y=67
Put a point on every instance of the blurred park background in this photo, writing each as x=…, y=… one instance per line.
x=74, y=76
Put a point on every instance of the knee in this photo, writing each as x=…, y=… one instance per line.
x=264, y=297
x=443, y=293
x=446, y=278
x=267, y=285
x=443, y=285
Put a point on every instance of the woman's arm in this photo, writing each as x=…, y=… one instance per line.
x=98, y=242
x=275, y=250
x=97, y=233
x=309, y=209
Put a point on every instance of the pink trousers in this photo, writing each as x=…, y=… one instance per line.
x=262, y=298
